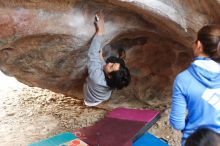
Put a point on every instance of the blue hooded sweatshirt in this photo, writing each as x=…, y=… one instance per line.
x=196, y=98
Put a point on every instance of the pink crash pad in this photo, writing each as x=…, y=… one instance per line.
x=149, y=117
x=109, y=132
x=120, y=127
x=133, y=114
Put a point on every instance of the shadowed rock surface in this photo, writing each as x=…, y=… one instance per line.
x=44, y=43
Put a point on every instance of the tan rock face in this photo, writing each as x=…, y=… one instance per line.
x=44, y=43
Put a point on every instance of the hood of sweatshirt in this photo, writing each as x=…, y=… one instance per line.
x=206, y=71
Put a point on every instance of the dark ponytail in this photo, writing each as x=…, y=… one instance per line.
x=209, y=36
x=218, y=48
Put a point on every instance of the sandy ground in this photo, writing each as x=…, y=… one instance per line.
x=28, y=114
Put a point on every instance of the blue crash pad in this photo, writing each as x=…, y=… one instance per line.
x=149, y=140
x=55, y=140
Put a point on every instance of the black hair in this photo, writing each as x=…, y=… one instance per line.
x=114, y=59
x=118, y=79
x=203, y=137
x=209, y=36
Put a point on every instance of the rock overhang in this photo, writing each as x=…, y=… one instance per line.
x=44, y=43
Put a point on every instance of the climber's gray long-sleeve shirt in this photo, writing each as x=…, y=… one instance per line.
x=96, y=89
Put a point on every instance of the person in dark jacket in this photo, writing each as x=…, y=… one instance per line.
x=203, y=137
